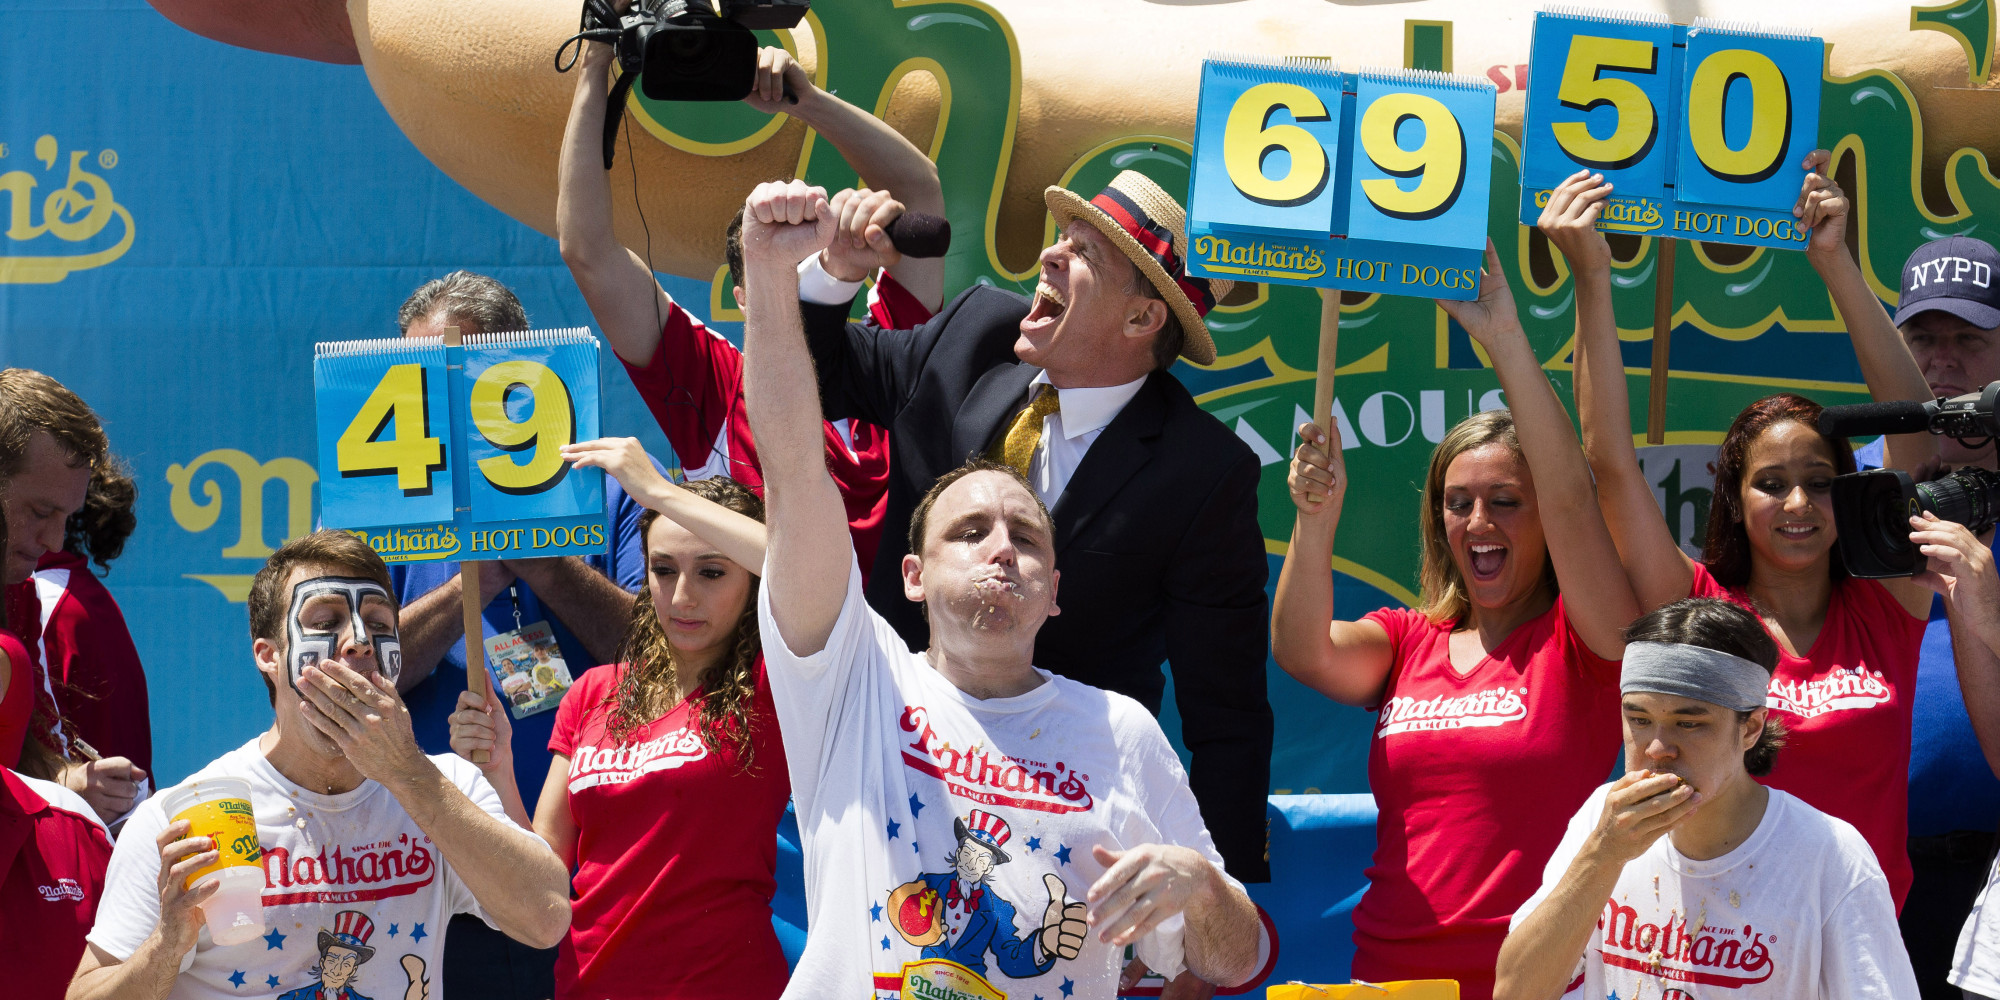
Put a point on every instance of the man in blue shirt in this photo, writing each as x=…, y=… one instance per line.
x=1951, y=320
x=586, y=601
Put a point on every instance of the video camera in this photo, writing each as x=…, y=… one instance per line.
x=1872, y=509
x=680, y=50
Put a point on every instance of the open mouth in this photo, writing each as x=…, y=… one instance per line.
x=1047, y=307
x=1487, y=560
x=1797, y=532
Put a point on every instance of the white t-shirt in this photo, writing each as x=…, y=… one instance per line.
x=325, y=857
x=1975, y=965
x=895, y=771
x=1800, y=910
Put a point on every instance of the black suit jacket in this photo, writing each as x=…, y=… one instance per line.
x=1156, y=535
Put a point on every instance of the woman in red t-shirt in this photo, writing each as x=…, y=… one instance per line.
x=1848, y=647
x=1498, y=698
x=668, y=777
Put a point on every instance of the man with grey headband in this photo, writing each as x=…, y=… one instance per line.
x=1686, y=873
x=350, y=813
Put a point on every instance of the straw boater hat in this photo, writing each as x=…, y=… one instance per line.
x=1151, y=228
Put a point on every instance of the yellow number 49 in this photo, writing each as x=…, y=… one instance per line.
x=410, y=453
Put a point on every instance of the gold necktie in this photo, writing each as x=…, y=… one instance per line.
x=1026, y=431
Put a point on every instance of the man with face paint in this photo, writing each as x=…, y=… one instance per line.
x=1686, y=872
x=348, y=809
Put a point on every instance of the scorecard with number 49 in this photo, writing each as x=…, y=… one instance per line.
x=1700, y=130
x=1376, y=181
x=433, y=452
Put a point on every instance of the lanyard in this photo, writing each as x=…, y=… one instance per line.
x=514, y=596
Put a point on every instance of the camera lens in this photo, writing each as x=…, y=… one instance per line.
x=1967, y=497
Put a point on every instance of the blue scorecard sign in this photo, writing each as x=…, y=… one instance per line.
x=1700, y=130
x=434, y=452
x=1375, y=181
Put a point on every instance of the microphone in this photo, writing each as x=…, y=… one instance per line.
x=1901, y=417
x=916, y=234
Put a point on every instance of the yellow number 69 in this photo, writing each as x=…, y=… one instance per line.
x=1248, y=137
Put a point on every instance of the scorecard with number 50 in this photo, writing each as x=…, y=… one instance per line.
x=1700, y=130
x=1375, y=181
x=454, y=452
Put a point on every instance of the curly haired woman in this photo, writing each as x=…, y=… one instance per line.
x=668, y=777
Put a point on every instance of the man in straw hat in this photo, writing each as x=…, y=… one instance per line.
x=1155, y=501
x=1075, y=788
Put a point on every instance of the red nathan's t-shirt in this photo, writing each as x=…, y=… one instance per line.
x=17, y=702
x=694, y=386
x=676, y=853
x=1475, y=778
x=1847, y=704
x=52, y=865
x=91, y=660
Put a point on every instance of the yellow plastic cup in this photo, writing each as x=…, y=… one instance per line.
x=219, y=808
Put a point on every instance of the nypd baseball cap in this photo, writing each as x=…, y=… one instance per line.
x=1953, y=275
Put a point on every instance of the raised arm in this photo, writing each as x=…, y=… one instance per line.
x=1960, y=567
x=1600, y=602
x=1659, y=572
x=1887, y=365
x=620, y=289
x=878, y=153
x=809, y=554
x=1346, y=661
x=738, y=537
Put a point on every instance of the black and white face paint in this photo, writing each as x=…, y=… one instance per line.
x=310, y=646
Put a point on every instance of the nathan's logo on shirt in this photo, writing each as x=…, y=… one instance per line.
x=1840, y=690
x=991, y=777
x=65, y=888
x=1711, y=956
x=615, y=765
x=349, y=874
x=1492, y=707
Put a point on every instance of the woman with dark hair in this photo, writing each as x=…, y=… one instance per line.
x=1848, y=647
x=1686, y=869
x=1497, y=694
x=669, y=777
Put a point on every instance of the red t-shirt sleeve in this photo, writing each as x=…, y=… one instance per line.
x=894, y=307
x=1878, y=605
x=693, y=381
x=1705, y=584
x=17, y=702
x=576, y=707
x=1400, y=623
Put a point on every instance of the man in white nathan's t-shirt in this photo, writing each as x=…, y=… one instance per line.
x=1687, y=878
x=368, y=846
x=972, y=826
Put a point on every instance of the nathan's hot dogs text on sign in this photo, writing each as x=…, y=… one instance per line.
x=219, y=809
x=1375, y=181
x=1699, y=129
x=437, y=452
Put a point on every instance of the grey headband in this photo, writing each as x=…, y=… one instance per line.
x=1697, y=672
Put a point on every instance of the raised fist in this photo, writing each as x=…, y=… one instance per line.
x=1063, y=923
x=786, y=222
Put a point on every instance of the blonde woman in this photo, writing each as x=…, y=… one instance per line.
x=1498, y=693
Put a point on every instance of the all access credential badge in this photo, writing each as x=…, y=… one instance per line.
x=935, y=979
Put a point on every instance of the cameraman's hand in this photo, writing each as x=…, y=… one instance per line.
x=1960, y=567
x=861, y=242
x=1822, y=208
x=785, y=222
x=1570, y=221
x=777, y=71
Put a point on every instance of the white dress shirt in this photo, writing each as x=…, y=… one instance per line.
x=1066, y=434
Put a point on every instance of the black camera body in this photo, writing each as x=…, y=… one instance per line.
x=1872, y=509
x=680, y=50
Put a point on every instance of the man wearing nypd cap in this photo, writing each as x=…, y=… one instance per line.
x=1155, y=501
x=1949, y=313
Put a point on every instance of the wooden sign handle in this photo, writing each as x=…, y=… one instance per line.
x=469, y=589
x=1329, y=345
x=1663, y=324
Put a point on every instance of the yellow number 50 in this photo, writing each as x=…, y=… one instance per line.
x=1440, y=160
x=550, y=424
x=1248, y=138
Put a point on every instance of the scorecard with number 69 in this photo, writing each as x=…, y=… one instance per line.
x=434, y=452
x=1376, y=181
